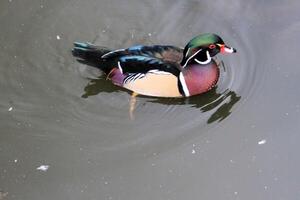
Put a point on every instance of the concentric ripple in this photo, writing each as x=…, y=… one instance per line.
x=75, y=96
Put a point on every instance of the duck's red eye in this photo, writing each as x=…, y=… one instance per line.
x=212, y=46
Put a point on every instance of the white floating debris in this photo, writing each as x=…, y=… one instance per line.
x=193, y=151
x=262, y=142
x=15, y=160
x=10, y=109
x=58, y=37
x=43, y=168
x=235, y=193
x=3, y=194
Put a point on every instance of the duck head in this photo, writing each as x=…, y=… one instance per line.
x=202, y=48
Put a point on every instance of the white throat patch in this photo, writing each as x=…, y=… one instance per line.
x=204, y=62
x=190, y=57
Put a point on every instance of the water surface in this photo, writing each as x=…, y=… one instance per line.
x=238, y=141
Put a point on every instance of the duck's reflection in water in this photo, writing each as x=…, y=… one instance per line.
x=220, y=104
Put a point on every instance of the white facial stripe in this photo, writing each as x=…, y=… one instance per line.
x=187, y=52
x=184, y=86
x=191, y=57
x=120, y=68
x=204, y=62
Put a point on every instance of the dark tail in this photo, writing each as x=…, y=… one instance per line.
x=88, y=53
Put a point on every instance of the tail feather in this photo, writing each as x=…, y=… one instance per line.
x=89, y=53
x=83, y=44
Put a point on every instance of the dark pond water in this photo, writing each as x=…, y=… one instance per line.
x=66, y=132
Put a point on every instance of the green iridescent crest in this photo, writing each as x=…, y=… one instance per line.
x=204, y=39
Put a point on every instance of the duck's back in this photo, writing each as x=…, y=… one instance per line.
x=163, y=52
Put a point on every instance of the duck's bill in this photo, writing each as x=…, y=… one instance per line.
x=226, y=49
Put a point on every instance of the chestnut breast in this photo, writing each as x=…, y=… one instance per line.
x=201, y=78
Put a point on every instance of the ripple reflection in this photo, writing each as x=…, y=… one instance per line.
x=220, y=103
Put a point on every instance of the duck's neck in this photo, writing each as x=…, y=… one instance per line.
x=197, y=78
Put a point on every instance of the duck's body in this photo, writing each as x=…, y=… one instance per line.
x=162, y=71
x=151, y=84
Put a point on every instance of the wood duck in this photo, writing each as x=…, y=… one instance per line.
x=159, y=70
